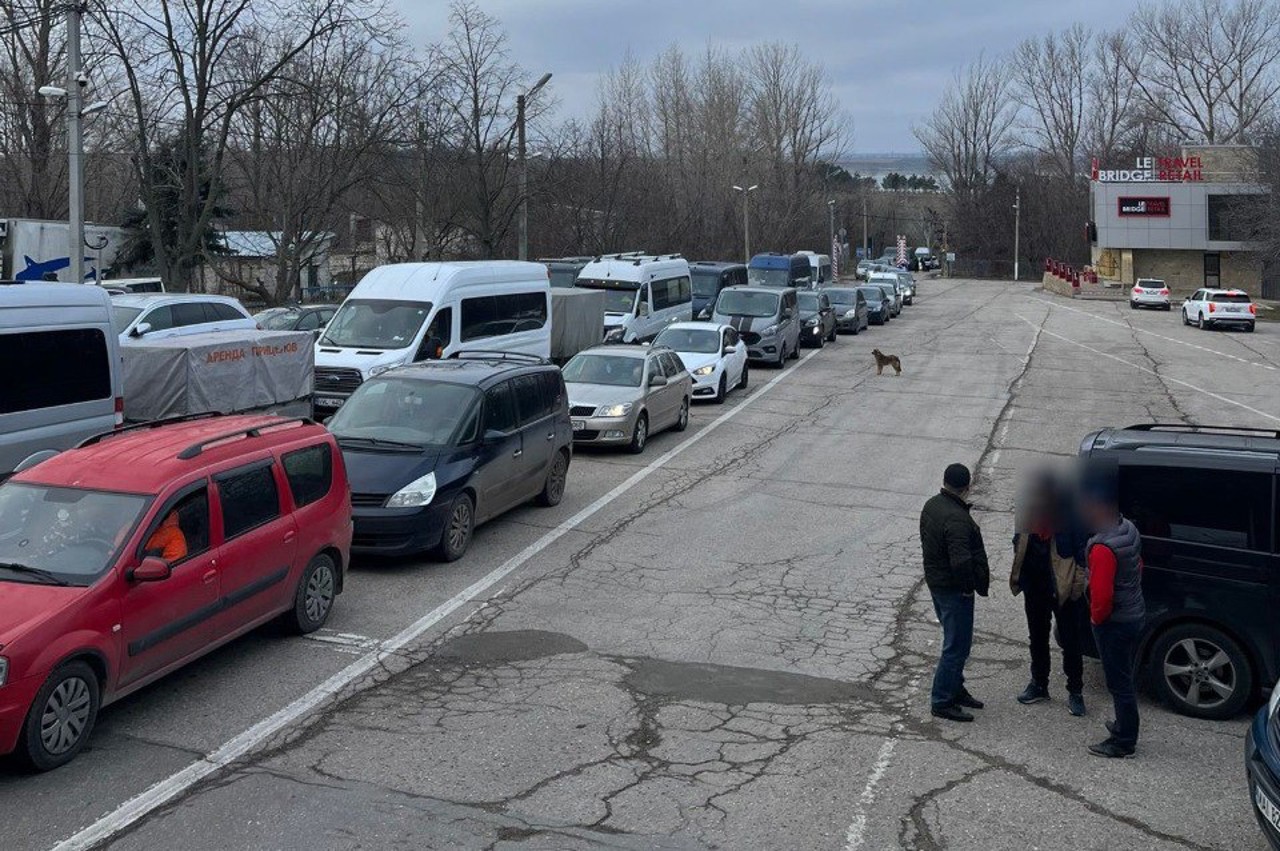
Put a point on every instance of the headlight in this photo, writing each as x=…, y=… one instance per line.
x=378, y=370
x=614, y=410
x=415, y=494
x=4, y=673
x=850, y=314
x=705, y=314
x=705, y=370
x=1272, y=708
x=809, y=323
x=770, y=331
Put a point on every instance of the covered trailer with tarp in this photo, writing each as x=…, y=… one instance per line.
x=226, y=371
x=577, y=316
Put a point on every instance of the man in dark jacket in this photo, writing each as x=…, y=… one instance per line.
x=955, y=568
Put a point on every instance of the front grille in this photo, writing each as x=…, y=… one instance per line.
x=581, y=411
x=368, y=500
x=334, y=380
x=750, y=337
x=586, y=435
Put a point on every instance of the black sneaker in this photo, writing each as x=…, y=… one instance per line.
x=951, y=713
x=1033, y=694
x=1110, y=750
x=1075, y=704
x=968, y=701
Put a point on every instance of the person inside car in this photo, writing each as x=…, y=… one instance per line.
x=168, y=541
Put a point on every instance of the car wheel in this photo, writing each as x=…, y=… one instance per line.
x=796, y=354
x=457, y=529
x=553, y=488
x=722, y=389
x=1201, y=324
x=61, y=717
x=742, y=382
x=1249, y=328
x=1133, y=305
x=313, y=600
x=640, y=436
x=831, y=338
x=682, y=421
x=782, y=358
x=1201, y=671
x=1185, y=320
x=1166, y=308
x=822, y=342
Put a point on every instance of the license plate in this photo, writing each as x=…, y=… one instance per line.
x=579, y=425
x=328, y=402
x=1269, y=809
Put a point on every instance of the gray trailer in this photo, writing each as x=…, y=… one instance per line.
x=576, y=319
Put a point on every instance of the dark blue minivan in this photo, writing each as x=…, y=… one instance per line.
x=434, y=449
x=709, y=278
x=780, y=270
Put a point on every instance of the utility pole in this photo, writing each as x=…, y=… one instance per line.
x=746, y=220
x=831, y=224
x=866, y=247
x=75, y=144
x=523, y=165
x=1017, y=227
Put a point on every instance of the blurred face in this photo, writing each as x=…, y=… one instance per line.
x=1097, y=514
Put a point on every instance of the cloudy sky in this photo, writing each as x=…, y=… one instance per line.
x=887, y=59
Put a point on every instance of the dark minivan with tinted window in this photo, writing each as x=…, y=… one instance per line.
x=709, y=278
x=1205, y=501
x=437, y=448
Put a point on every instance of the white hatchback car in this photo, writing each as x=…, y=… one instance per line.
x=1149, y=292
x=713, y=353
x=155, y=317
x=1218, y=308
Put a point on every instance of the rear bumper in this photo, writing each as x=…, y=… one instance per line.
x=398, y=531
x=1229, y=320
x=1262, y=764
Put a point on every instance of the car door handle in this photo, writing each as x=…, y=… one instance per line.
x=209, y=577
x=551, y=435
x=290, y=536
x=517, y=453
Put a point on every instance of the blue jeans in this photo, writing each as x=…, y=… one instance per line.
x=1117, y=646
x=955, y=611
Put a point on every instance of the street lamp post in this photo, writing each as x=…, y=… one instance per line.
x=75, y=145
x=831, y=226
x=523, y=166
x=1017, y=228
x=746, y=219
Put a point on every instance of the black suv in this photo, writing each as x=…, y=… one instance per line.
x=1205, y=501
x=436, y=448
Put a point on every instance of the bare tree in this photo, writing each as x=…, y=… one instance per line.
x=971, y=128
x=1051, y=84
x=33, y=169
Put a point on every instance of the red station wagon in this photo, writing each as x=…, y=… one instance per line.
x=145, y=548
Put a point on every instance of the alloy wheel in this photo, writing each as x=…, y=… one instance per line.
x=1200, y=672
x=459, y=526
x=65, y=715
x=555, y=484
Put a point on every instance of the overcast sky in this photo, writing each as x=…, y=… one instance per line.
x=887, y=59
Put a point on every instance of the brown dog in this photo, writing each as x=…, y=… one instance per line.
x=883, y=360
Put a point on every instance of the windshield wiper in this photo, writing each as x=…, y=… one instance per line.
x=49, y=578
x=380, y=441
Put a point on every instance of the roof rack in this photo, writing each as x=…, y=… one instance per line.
x=149, y=424
x=1183, y=427
x=484, y=354
x=196, y=448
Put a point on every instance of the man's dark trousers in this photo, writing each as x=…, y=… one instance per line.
x=1117, y=643
x=955, y=611
x=1041, y=606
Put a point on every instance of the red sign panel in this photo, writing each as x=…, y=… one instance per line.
x=1144, y=206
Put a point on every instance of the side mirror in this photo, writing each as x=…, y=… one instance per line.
x=787, y=314
x=317, y=332
x=657, y=381
x=152, y=569
x=492, y=435
x=140, y=329
x=728, y=350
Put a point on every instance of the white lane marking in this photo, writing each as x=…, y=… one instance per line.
x=343, y=642
x=1126, y=326
x=174, y=785
x=856, y=836
x=1186, y=384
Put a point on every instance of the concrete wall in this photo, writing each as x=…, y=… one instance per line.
x=1186, y=226
x=1183, y=271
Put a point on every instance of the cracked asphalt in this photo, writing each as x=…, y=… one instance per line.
x=733, y=654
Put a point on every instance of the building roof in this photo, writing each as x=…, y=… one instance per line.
x=265, y=243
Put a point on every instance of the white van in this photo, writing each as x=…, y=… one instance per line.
x=63, y=384
x=820, y=266
x=409, y=312
x=645, y=294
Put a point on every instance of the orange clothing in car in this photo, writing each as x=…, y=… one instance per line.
x=168, y=540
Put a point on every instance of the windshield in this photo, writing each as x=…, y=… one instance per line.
x=809, y=302
x=842, y=296
x=769, y=277
x=277, y=319
x=875, y=295
x=706, y=283
x=563, y=277
x=376, y=324
x=617, y=299
x=699, y=340
x=614, y=370
x=72, y=533
x=403, y=410
x=743, y=303
x=121, y=317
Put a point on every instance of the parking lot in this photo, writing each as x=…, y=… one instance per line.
x=723, y=642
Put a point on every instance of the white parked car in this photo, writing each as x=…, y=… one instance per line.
x=1219, y=308
x=1149, y=292
x=713, y=354
x=140, y=317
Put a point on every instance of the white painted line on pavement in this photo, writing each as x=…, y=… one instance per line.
x=174, y=785
x=856, y=836
x=1165, y=337
x=1186, y=384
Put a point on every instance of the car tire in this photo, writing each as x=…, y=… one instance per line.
x=1201, y=324
x=796, y=354
x=722, y=389
x=1185, y=320
x=1166, y=308
x=553, y=487
x=746, y=376
x=1133, y=305
x=313, y=599
x=682, y=420
x=1193, y=647
x=822, y=342
x=1248, y=329
x=72, y=695
x=458, y=529
x=831, y=338
x=639, y=435
x=782, y=358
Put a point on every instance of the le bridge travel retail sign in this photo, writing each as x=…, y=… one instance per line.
x=1152, y=170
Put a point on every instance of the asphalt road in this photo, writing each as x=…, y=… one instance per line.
x=720, y=643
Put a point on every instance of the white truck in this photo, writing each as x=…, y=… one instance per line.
x=36, y=250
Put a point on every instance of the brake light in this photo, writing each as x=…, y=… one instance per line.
x=1137, y=289
x=119, y=411
x=1164, y=291
x=1212, y=307
x=1253, y=308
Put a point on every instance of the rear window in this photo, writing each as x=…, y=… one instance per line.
x=1219, y=508
x=310, y=473
x=58, y=368
x=1231, y=298
x=498, y=315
